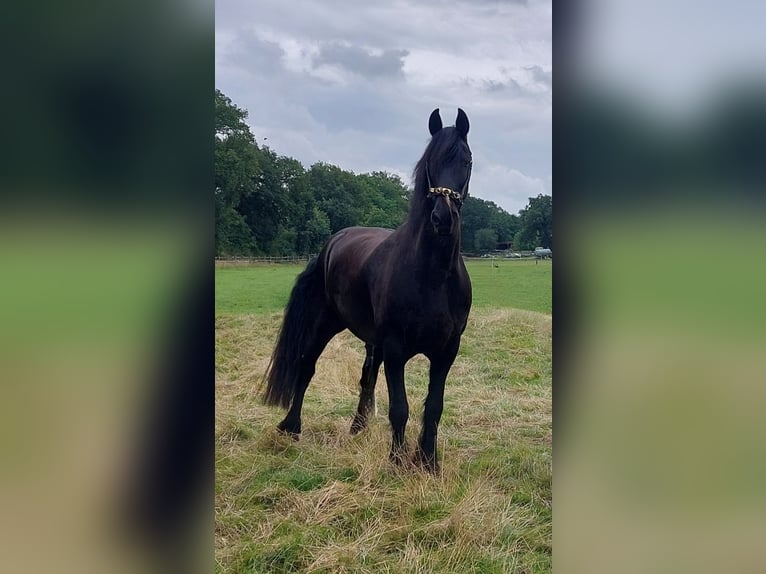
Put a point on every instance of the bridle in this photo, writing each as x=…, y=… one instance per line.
x=445, y=191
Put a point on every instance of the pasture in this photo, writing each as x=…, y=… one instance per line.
x=264, y=288
x=332, y=502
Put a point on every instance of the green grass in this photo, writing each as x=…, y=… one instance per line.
x=254, y=288
x=265, y=288
x=332, y=502
x=519, y=284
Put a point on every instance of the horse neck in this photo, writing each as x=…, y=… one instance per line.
x=440, y=253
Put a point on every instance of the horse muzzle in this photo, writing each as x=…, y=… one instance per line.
x=441, y=225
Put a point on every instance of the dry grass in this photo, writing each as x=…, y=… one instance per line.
x=331, y=502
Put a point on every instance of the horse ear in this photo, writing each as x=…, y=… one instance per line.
x=461, y=124
x=434, y=122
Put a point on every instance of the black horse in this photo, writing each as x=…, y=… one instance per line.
x=402, y=292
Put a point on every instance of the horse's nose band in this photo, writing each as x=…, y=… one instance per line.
x=446, y=192
x=443, y=191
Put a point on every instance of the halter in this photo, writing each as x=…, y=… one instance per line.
x=446, y=192
x=443, y=191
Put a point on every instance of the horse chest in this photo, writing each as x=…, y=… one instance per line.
x=432, y=319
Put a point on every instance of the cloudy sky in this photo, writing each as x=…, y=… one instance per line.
x=353, y=83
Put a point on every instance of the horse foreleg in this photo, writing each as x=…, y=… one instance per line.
x=367, y=394
x=432, y=412
x=398, y=408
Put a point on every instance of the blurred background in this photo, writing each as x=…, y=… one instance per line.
x=660, y=122
x=106, y=308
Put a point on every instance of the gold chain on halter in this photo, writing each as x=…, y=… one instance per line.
x=445, y=191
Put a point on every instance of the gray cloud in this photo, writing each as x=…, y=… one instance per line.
x=494, y=86
x=491, y=2
x=540, y=76
x=357, y=60
x=353, y=83
x=255, y=55
x=511, y=88
x=508, y=88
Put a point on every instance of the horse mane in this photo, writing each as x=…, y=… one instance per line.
x=442, y=148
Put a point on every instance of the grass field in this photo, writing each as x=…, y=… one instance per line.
x=331, y=502
x=519, y=284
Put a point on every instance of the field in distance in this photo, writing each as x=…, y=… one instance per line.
x=264, y=288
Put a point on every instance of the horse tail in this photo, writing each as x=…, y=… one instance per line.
x=283, y=373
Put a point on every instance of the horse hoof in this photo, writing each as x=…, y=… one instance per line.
x=428, y=463
x=358, y=425
x=399, y=457
x=293, y=435
x=289, y=430
x=398, y=460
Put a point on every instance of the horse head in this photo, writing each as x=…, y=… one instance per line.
x=447, y=166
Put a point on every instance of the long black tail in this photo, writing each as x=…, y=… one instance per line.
x=298, y=328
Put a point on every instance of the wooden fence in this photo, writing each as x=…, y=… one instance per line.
x=234, y=261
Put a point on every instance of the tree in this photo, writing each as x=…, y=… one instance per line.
x=386, y=200
x=236, y=174
x=505, y=224
x=485, y=239
x=314, y=233
x=230, y=119
x=536, y=224
x=478, y=214
x=232, y=234
x=270, y=204
x=338, y=194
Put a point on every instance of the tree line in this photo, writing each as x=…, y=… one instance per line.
x=270, y=205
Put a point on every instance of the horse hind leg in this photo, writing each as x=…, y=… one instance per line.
x=325, y=328
x=367, y=383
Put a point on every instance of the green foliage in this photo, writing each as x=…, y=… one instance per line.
x=479, y=214
x=337, y=193
x=230, y=119
x=485, y=225
x=388, y=200
x=315, y=231
x=237, y=170
x=536, y=224
x=485, y=239
x=232, y=234
x=267, y=204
